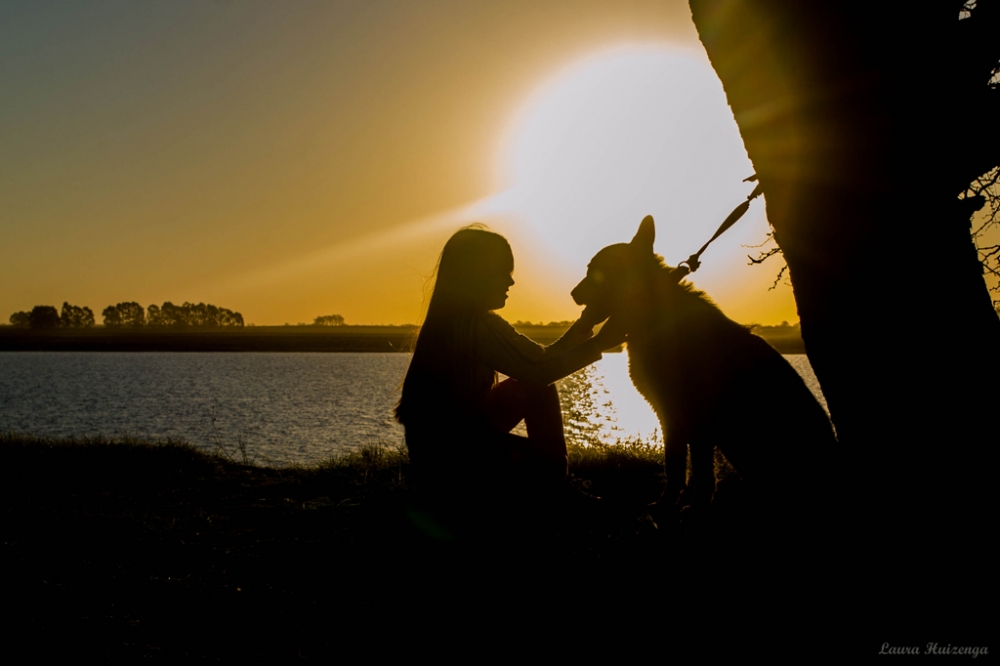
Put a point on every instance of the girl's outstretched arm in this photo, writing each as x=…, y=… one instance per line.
x=505, y=350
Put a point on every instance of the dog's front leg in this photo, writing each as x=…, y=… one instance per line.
x=675, y=467
x=703, y=474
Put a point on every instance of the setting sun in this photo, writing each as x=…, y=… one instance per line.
x=628, y=132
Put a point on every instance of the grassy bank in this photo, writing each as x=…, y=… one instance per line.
x=132, y=552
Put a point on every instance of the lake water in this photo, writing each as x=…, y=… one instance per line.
x=285, y=407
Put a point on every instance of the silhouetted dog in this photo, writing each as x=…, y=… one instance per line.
x=711, y=382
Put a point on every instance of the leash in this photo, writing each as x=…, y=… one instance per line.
x=693, y=263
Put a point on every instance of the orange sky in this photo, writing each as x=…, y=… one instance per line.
x=294, y=159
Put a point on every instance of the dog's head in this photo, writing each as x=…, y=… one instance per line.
x=616, y=273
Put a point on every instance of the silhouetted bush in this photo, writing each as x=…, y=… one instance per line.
x=124, y=314
x=329, y=320
x=76, y=317
x=20, y=319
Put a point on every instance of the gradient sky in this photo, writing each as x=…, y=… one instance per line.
x=303, y=158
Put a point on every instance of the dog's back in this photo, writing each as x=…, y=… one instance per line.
x=715, y=384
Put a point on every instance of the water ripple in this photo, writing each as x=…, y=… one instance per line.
x=284, y=407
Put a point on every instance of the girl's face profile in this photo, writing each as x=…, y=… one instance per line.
x=475, y=270
x=494, y=279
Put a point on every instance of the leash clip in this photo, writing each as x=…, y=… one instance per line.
x=693, y=263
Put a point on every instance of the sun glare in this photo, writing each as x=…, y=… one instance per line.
x=624, y=134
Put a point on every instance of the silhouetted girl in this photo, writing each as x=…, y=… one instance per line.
x=457, y=416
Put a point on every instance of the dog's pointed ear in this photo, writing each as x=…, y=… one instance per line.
x=646, y=235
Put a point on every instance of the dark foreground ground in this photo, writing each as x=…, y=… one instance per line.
x=131, y=553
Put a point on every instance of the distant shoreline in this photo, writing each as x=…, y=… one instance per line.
x=277, y=339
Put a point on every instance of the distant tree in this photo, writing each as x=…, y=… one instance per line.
x=213, y=316
x=153, y=315
x=43, y=316
x=111, y=316
x=199, y=315
x=202, y=315
x=329, y=320
x=166, y=315
x=20, y=319
x=76, y=317
x=128, y=314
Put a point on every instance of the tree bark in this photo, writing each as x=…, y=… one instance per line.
x=862, y=123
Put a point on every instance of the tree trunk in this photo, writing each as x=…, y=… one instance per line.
x=861, y=120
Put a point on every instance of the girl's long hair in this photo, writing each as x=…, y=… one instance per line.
x=442, y=370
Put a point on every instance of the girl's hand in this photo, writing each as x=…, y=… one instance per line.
x=581, y=332
x=590, y=317
x=583, y=328
x=612, y=334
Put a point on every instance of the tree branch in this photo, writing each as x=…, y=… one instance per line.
x=764, y=256
x=767, y=254
x=777, y=278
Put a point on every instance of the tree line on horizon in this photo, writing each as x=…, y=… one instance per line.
x=329, y=320
x=129, y=315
